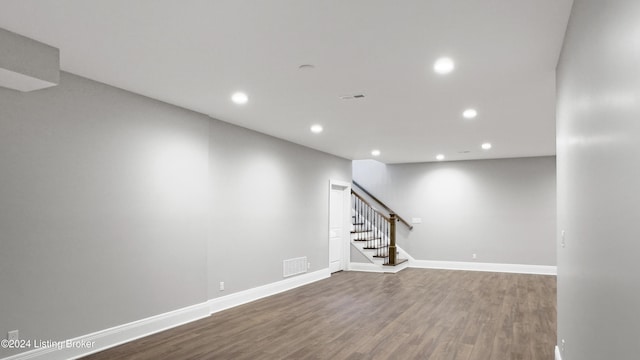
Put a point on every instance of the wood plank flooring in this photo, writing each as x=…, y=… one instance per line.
x=414, y=314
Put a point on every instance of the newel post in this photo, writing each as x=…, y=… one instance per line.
x=392, y=237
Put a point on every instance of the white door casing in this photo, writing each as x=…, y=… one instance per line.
x=339, y=225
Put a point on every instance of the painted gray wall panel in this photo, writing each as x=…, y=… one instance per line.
x=116, y=207
x=357, y=257
x=502, y=210
x=270, y=202
x=598, y=128
x=102, y=215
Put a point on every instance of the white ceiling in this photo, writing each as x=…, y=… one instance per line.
x=196, y=53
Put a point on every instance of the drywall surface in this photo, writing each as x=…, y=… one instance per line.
x=270, y=202
x=102, y=215
x=356, y=256
x=116, y=207
x=598, y=176
x=501, y=210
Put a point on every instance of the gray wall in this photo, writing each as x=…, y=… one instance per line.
x=116, y=207
x=270, y=202
x=598, y=131
x=502, y=210
x=357, y=257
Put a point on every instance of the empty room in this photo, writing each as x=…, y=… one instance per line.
x=307, y=179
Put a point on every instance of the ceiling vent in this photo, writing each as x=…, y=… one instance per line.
x=352, y=97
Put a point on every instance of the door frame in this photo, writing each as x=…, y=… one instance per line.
x=345, y=187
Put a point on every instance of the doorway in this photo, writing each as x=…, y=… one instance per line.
x=339, y=225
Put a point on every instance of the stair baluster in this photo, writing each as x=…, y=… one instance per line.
x=376, y=230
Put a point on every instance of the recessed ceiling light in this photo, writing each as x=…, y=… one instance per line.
x=316, y=128
x=239, y=98
x=486, y=146
x=375, y=152
x=469, y=113
x=443, y=65
x=439, y=157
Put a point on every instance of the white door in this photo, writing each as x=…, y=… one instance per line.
x=338, y=210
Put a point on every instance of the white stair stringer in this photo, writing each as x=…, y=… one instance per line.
x=367, y=253
x=361, y=244
x=376, y=263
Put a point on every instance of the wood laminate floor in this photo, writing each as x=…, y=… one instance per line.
x=415, y=314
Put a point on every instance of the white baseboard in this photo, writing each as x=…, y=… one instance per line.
x=367, y=267
x=478, y=266
x=490, y=267
x=377, y=268
x=104, y=339
x=558, y=355
x=117, y=335
x=243, y=297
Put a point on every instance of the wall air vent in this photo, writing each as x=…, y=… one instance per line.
x=294, y=266
x=352, y=97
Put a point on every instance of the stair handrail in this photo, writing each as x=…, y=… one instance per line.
x=400, y=218
x=371, y=206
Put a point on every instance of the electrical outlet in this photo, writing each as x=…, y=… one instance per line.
x=562, y=243
x=13, y=335
x=474, y=256
x=563, y=346
x=221, y=285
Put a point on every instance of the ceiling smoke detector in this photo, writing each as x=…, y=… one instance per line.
x=351, y=97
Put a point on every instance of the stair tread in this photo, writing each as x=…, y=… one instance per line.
x=359, y=223
x=374, y=247
x=360, y=231
x=367, y=239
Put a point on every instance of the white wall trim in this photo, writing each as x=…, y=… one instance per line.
x=377, y=268
x=455, y=265
x=490, y=267
x=558, y=355
x=246, y=296
x=346, y=231
x=366, y=267
x=121, y=334
x=478, y=266
x=458, y=265
x=118, y=335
